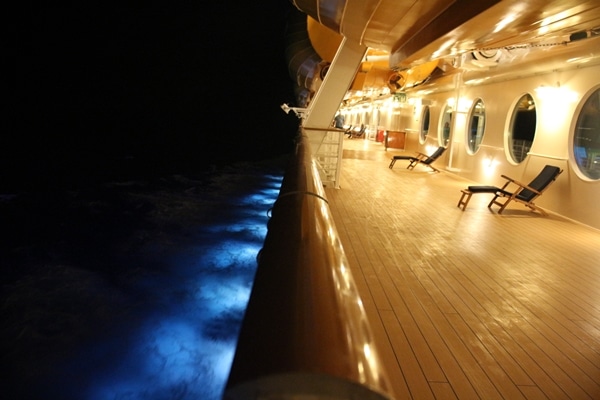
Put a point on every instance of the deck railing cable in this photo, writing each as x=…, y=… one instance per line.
x=305, y=333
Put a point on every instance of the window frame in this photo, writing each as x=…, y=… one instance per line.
x=469, y=136
x=423, y=133
x=509, y=137
x=573, y=153
x=448, y=109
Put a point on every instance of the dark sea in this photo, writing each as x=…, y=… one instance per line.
x=131, y=287
x=144, y=147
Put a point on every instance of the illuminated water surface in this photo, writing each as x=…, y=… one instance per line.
x=177, y=333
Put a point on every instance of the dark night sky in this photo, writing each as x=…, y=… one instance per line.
x=164, y=87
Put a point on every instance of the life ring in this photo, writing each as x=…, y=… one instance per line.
x=323, y=68
x=396, y=81
x=487, y=55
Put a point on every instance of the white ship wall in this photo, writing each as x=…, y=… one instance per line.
x=558, y=105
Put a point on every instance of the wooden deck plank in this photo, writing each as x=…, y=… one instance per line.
x=479, y=322
x=468, y=304
x=410, y=367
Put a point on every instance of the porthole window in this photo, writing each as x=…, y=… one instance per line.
x=424, y=125
x=586, y=138
x=476, y=127
x=445, y=125
x=522, y=128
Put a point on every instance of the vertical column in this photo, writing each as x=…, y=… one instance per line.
x=327, y=100
x=339, y=76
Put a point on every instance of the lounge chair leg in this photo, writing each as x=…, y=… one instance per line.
x=535, y=208
x=392, y=163
x=493, y=202
x=503, y=206
x=464, y=199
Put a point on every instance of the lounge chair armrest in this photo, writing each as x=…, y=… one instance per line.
x=516, y=182
x=530, y=188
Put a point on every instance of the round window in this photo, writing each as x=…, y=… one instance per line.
x=424, y=125
x=476, y=127
x=522, y=128
x=445, y=125
x=586, y=138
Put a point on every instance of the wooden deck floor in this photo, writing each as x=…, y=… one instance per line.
x=468, y=305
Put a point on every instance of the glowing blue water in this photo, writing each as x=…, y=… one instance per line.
x=181, y=341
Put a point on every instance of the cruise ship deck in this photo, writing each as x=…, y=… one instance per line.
x=468, y=304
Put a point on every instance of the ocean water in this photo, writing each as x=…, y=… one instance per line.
x=131, y=288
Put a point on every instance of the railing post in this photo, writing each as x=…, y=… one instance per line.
x=327, y=153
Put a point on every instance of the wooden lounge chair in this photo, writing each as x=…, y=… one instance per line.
x=420, y=158
x=356, y=133
x=349, y=131
x=522, y=193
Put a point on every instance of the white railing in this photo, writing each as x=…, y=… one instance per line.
x=327, y=148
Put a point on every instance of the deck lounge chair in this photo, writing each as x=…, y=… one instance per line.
x=357, y=132
x=420, y=158
x=349, y=131
x=522, y=193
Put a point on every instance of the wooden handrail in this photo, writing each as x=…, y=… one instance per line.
x=331, y=129
x=305, y=331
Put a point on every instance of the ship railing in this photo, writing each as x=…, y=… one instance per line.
x=305, y=333
x=326, y=145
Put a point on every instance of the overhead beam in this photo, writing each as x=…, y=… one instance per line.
x=337, y=81
x=457, y=14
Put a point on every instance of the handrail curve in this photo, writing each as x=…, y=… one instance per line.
x=305, y=333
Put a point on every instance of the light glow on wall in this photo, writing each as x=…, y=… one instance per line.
x=557, y=94
x=489, y=166
x=463, y=105
x=554, y=102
